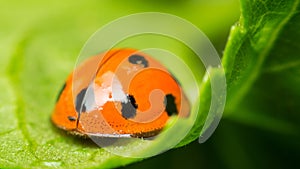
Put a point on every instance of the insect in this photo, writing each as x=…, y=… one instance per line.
x=120, y=93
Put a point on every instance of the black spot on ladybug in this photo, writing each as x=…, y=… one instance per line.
x=60, y=92
x=171, y=108
x=132, y=101
x=129, y=108
x=71, y=118
x=79, y=99
x=83, y=108
x=138, y=59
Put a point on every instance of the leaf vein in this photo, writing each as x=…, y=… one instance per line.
x=13, y=72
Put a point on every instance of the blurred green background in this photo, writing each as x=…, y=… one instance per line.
x=54, y=32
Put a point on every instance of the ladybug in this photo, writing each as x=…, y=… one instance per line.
x=120, y=93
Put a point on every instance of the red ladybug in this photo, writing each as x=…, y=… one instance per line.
x=121, y=93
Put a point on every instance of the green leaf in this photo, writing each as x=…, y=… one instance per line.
x=262, y=66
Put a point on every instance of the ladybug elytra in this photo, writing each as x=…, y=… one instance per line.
x=120, y=93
